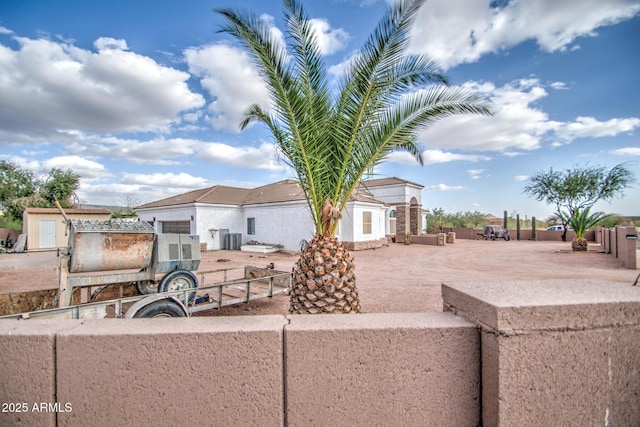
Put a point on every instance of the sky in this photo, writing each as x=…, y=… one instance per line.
x=143, y=99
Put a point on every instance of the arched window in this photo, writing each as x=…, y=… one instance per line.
x=392, y=214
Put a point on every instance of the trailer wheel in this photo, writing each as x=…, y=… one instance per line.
x=162, y=308
x=179, y=280
x=507, y=237
x=147, y=287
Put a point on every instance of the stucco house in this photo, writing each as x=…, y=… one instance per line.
x=225, y=217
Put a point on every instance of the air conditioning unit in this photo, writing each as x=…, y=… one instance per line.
x=233, y=241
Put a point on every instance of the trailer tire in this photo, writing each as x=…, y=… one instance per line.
x=147, y=287
x=179, y=280
x=162, y=308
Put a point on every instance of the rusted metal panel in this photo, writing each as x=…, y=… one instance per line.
x=95, y=251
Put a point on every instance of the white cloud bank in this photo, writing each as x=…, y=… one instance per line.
x=518, y=124
x=53, y=90
x=479, y=27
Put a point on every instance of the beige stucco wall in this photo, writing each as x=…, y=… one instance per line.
x=505, y=353
x=338, y=370
x=555, y=352
x=382, y=369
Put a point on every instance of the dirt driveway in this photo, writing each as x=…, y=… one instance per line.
x=395, y=278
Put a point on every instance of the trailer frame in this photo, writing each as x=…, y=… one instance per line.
x=257, y=283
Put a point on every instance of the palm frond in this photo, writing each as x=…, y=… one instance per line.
x=332, y=135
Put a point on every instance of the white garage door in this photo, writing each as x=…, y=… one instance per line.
x=47, y=234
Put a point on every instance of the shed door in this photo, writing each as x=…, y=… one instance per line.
x=47, y=234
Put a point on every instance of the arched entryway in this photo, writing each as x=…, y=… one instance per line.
x=409, y=218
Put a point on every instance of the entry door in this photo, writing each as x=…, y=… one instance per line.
x=47, y=234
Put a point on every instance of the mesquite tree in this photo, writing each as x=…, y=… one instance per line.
x=578, y=188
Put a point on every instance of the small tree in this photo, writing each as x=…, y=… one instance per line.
x=15, y=183
x=63, y=184
x=581, y=221
x=21, y=189
x=578, y=188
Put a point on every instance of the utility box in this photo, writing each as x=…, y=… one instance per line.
x=233, y=241
x=176, y=252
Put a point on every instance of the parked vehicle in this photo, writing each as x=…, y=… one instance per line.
x=555, y=228
x=494, y=232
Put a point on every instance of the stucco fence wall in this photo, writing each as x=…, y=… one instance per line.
x=536, y=353
x=525, y=234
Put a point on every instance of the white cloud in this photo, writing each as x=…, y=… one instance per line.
x=627, y=151
x=5, y=30
x=270, y=22
x=174, y=151
x=113, y=193
x=517, y=125
x=589, y=127
x=52, y=89
x=559, y=86
x=108, y=43
x=520, y=178
x=87, y=169
x=475, y=173
x=262, y=157
x=444, y=187
x=231, y=80
x=182, y=180
x=459, y=31
x=431, y=157
x=330, y=40
x=158, y=151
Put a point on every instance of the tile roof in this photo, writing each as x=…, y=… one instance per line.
x=381, y=182
x=218, y=194
x=282, y=191
x=67, y=210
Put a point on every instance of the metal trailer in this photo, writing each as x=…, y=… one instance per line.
x=254, y=283
x=115, y=251
x=102, y=253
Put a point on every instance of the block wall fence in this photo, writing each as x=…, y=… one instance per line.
x=621, y=242
x=518, y=353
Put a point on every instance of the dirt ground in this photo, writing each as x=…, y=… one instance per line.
x=394, y=278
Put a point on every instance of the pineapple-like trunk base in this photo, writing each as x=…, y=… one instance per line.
x=324, y=279
x=579, y=245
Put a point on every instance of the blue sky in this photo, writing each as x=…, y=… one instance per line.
x=144, y=98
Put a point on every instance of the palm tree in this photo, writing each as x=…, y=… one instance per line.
x=331, y=134
x=581, y=221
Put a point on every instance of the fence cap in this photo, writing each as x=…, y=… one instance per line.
x=545, y=304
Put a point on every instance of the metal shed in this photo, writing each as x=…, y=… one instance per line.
x=45, y=228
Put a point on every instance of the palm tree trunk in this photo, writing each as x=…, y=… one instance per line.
x=324, y=279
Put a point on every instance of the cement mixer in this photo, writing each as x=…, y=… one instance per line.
x=118, y=251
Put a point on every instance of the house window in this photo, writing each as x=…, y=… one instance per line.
x=251, y=226
x=392, y=214
x=366, y=222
